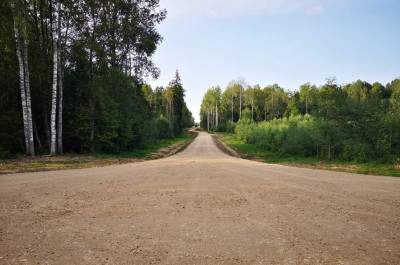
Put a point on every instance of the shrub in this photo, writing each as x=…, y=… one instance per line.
x=243, y=128
x=230, y=126
x=163, y=128
x=293, y=135
x=227, y=126
x=355, y=150
x=156, y=129
x=310, y=136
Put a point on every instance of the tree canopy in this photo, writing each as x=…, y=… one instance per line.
x=356, y=121
x=86, y=62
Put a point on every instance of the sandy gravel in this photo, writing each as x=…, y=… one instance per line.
x=199, y=207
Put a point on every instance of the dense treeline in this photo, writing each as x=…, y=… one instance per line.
x=354, y=122
x=71, y=77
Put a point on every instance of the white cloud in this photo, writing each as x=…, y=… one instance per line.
x=229, y=8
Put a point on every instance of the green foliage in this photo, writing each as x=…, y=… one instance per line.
x=107, y=107
x=355, y=122
x=177, y=112
x=243, y=128
x=230, y=127
x=293, y=135
x=252, y=151
x=227, y=126
x=156, y=129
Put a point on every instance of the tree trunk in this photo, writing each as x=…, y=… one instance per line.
x=22, y=85
x=60, y=108
x=28, y=100
x=22, y=54
x=37, y=135
x=53, y=114
x=60, y=88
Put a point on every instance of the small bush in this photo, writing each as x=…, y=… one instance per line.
x=244, y=128
x=157, y=129
x=227, y=126
x=293, y=135
x=355, y=151
x=230, y=127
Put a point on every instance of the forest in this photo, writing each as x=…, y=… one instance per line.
x=72, y=78
x=357, y=122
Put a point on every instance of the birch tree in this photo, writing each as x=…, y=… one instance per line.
x=55, y=34
x=62, y=43
x=22, y=55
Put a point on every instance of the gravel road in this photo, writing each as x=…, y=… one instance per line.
x=200, y=206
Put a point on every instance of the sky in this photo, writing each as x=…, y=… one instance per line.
x=288, y=42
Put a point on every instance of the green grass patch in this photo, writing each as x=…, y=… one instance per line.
x=149, y=149
x=251, y=151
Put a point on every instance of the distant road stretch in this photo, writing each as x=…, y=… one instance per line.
x=199, y=207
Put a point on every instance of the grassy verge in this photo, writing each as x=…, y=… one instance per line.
x=250, y=151
x=162, y=148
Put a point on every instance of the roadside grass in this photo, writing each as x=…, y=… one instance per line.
x=159, y=149
x=150, y=149
x=252, y=152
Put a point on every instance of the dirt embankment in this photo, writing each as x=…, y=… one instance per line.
x=224, y=147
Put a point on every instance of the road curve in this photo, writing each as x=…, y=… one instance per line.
x=200, y=206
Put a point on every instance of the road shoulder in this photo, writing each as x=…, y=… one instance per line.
x=250, y=152
x=159, y=150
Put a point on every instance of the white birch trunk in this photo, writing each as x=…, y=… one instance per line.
x=53, y=132
x=60, y=108
x=28, y=100
x=60, y=88
x=22, y=55
x=22, y=85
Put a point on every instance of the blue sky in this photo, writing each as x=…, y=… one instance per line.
x=288, y=42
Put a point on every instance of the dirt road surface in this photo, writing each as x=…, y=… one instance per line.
x=199, y=207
